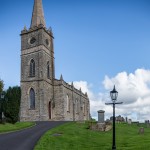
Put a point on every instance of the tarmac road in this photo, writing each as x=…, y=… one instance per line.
x=26, y=139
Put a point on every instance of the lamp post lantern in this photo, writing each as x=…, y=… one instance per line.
x=114, y=95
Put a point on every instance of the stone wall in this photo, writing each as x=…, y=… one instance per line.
x=78, y=108
x=42, y=98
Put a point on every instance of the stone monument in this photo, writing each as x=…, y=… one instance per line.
x=101, y=116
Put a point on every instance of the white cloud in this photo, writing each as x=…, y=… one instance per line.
x=97, y=101
x=133, y=89
x=131, y=86
x=85, y=87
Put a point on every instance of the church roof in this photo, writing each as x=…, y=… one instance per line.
x=37, y=14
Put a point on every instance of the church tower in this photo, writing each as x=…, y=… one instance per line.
x=37, y=68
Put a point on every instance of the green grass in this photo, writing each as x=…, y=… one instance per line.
x=75, y=136
x=13, y=127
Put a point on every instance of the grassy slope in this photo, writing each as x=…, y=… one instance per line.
x=129, y=139
x=75, y=136
x=13, y=127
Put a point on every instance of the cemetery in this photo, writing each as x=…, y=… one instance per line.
x=77, y=135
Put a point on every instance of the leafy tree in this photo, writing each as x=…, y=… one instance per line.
x=1, y=91
x=1, y=85
x=12, y=104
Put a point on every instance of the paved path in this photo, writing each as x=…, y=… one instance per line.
x=26, y=139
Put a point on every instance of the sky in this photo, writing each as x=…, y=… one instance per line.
x=98, y=44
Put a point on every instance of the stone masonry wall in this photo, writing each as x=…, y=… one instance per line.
x=78, y=102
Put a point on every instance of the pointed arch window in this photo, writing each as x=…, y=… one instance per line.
x=77, y=110
x=32, y=68
x=68, y=103
x=32, y=98
x=48, y=71
x=84, y=108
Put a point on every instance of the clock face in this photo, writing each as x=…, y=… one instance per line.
x=32, y=40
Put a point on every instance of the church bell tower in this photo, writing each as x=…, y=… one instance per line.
x=37, y=68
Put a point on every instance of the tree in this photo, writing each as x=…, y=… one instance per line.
x=1, y=92
x=12, y=104
x=1, y=86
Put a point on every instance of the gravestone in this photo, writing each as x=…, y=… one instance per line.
x=101, y=116
x=126, y=119
x=141, y=130
x=129, y=121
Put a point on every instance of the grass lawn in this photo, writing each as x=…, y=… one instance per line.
x=13, y=127
x=75, y=136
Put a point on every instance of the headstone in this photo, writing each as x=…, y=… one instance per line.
x=101, y=116
x=129, y=121
x=57, y=134
x=141, y=130
x=147, y=121
x=126, y=119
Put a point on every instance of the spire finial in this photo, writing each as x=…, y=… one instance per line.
x=114, y=88
x=72, y=84
x=25, y=28
x=86, y=94
x=37, y=14
x=61, y=77
x=80, y=89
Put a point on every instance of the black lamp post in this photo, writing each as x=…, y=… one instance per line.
x=114, y=95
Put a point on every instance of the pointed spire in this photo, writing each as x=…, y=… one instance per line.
x=25, y=28
x=61, y=77
x=80, y=89
x=72, y=85
x=37, y=14
x=86, y=94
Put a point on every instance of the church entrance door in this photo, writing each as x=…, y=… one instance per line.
x=49, y=110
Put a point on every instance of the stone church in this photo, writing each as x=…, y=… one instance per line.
x=43, y=96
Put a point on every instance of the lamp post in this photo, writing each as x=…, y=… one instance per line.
x=114, y=95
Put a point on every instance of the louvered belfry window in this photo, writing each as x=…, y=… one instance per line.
x=32, y=68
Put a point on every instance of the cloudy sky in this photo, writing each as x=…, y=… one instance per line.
x=98, y=43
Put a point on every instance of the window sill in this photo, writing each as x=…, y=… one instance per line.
x=31, y=76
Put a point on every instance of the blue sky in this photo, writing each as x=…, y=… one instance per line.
x=93, y=38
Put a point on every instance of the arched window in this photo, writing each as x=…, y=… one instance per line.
x=84, y=108
x=68, y=103
x=48, y=72
x=32, y=68
x=32, y=99
x=77, y=106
